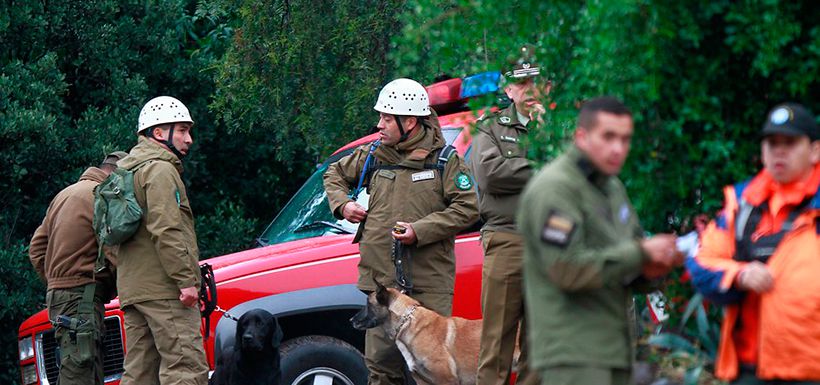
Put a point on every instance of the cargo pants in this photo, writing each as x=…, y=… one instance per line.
x=80, y=359
x=163, y=344
x=502, y=307
x=384, y=360
x=574, y=375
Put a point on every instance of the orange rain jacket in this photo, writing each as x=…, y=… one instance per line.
x=778, y=331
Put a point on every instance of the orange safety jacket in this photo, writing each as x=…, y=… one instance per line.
x=777, y=331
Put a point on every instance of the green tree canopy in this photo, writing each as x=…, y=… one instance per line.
x=698, y=75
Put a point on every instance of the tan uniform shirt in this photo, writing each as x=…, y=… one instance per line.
x=437, y=204
x=499, y=163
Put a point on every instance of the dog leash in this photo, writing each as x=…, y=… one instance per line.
x=401, y=256
x=225, y=313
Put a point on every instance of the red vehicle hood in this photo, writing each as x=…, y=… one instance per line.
x=232, y=266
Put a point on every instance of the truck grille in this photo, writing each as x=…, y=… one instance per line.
x=112, y=352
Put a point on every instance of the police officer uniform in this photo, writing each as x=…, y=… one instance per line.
x=501, y=170
x=582, y=262
x=405, y=184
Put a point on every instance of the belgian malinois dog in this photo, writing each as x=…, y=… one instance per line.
x=438, y=350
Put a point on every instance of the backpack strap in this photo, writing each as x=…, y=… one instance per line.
x=444, y=155
x=367, y=169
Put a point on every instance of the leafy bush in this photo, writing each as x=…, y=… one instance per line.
x=226, y=230
x=20, y=297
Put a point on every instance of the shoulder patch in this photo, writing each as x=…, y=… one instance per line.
x=463, y=181
x=558, y=229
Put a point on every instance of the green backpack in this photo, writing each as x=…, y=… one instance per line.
x=117, y=214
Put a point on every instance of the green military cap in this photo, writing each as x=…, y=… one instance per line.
x=522, y=65
x=113, y=157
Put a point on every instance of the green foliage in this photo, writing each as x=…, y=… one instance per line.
x=20, y=297
x=73, y=77
x=305, y=74
x=225, y=230
x=698, y=75
x=72, y=83
x=693, y=345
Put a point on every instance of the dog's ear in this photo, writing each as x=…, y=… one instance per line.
x=237, y=340
x=382, y=295
x=276, y=333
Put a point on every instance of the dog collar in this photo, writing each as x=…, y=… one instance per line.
x=403, y=320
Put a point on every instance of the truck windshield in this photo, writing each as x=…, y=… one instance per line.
x=307, y=214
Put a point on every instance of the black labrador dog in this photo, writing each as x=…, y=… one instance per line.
x=255, y=357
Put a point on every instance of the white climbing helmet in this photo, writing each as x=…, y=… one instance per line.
x=163, y=110
x=403, y=97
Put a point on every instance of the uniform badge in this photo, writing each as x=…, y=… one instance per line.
x=463, y=181
x=511, y=139
x=781, y=115
x=558, y=229
x=424, y=175
x=387, y=174
x=624, y=213
x=504, y=119
x=179, y=201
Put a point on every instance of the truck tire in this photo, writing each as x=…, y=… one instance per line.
x=322, y=360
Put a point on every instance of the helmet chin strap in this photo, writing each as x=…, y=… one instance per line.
x=168, y=142
x=404, y=134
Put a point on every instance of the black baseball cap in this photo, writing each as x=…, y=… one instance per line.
x=790, y=119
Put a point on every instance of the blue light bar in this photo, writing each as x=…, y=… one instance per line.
x=480, y=84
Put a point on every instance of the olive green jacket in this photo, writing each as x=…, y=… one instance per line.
x=438, y=207
x=500, y=166
x=582, y=261
x=162, y=257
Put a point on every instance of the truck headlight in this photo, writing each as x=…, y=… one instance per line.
x=26, y=347
x=29, y=375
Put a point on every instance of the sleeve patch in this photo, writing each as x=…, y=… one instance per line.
x=558, y=229
x=463, y=181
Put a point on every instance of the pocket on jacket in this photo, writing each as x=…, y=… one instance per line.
x=511, y=149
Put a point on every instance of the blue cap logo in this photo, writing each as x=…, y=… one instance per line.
x=780, y=115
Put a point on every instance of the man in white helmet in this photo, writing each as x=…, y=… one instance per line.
x=158, y=276
x=421, y=196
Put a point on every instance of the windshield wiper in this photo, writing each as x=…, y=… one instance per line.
x=316, y=224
